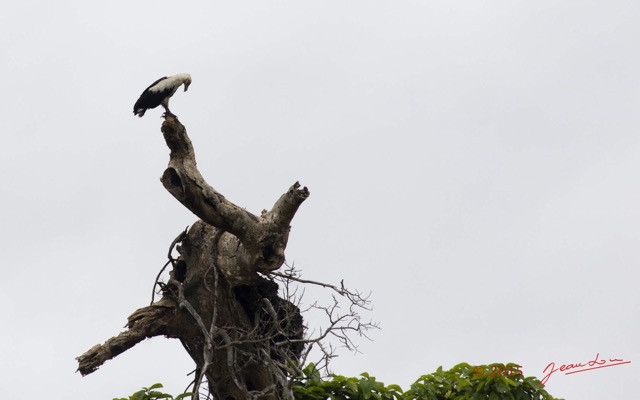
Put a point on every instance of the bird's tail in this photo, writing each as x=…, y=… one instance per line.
x=139, y=112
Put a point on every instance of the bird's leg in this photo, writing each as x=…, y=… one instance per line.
x=167, y=113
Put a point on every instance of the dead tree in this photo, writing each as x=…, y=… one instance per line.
x=229, y=318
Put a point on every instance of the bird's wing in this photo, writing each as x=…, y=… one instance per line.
x=169, y=84
x=156, y=82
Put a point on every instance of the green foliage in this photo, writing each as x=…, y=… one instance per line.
x=313, y=387
x=490, y=382
x=462, y=382
x=148, y=393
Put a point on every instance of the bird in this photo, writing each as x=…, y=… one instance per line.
x=159, y=93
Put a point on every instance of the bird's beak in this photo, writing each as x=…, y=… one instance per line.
x=186, y=86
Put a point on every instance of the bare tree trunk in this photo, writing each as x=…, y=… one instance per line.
x=229, y=319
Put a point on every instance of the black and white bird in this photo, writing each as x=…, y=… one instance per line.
x=159, y=93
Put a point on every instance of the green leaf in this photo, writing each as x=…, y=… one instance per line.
x=501, y=387
x=140, y=395
x=159, y=395
x=395, y=388
x=352, y=386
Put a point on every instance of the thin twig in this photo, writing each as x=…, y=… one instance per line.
x=171, y=261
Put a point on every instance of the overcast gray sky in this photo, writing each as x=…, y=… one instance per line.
x=474, y=164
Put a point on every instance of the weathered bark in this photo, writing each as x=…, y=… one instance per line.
x=144, y=323
x=254, y=243
x=228, y=318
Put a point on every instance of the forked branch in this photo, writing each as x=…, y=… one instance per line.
x=261, y=240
